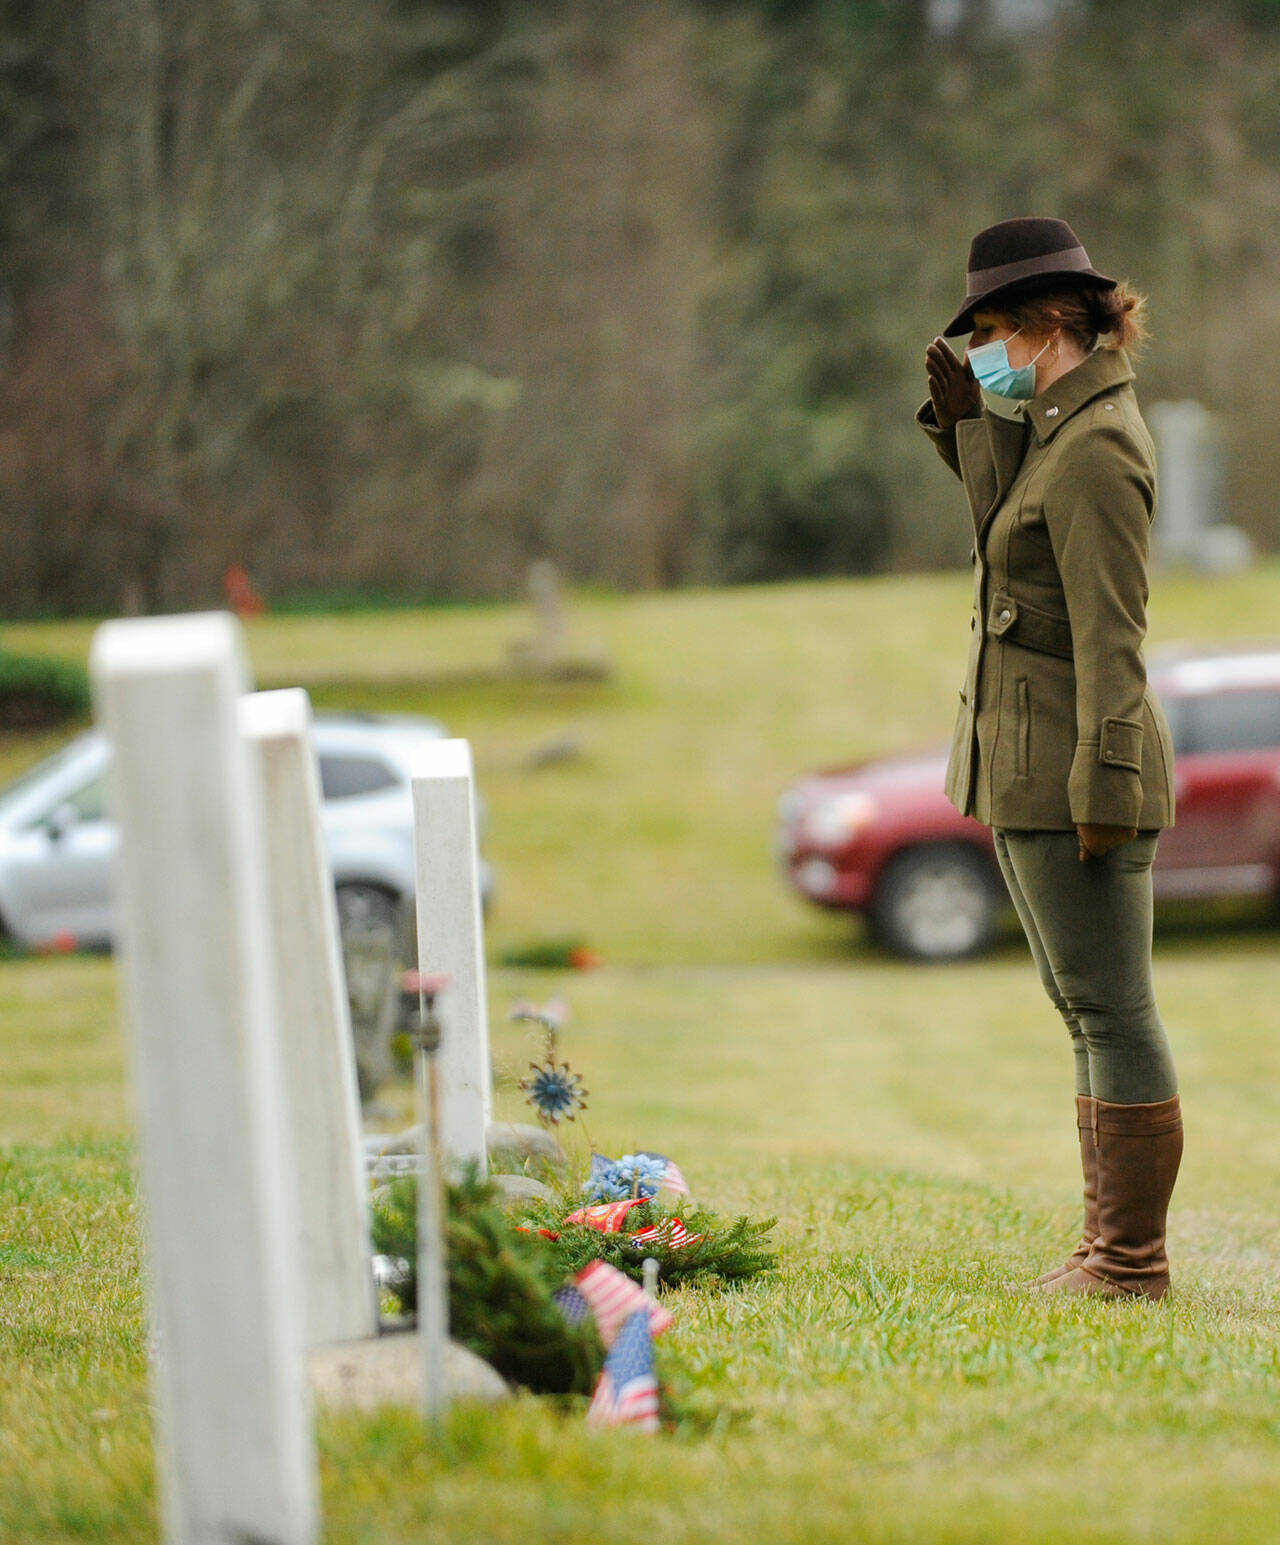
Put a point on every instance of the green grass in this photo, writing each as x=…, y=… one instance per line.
x=912, y=1129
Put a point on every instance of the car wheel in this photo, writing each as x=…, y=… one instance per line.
x=369, y=922
x=937, y=902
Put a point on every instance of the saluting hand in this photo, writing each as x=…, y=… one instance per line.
x=1095, y=841
x=953, y=389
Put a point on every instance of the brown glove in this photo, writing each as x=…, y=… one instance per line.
x=1095, y=841
x=953, y=389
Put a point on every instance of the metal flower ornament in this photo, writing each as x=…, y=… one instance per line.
x=553, y=1089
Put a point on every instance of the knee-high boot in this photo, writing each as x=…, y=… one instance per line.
x=1089, y=1165
x=1138, y=1151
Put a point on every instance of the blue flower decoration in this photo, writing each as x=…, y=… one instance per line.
x=554, y=1092
x=634, y=1174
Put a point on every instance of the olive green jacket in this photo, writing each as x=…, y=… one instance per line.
x=1056, y=724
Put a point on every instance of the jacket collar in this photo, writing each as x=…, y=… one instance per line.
x=1102, y=371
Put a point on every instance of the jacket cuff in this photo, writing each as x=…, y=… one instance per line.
x=1105, y=784
x=944, y=440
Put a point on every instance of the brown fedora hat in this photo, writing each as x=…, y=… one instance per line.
x=1017, y=257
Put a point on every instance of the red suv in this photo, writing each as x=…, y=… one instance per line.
x=882, y=839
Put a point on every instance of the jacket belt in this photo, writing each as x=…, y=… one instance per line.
x=1017, y=622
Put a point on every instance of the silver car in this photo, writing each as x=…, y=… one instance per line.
x=57, y=846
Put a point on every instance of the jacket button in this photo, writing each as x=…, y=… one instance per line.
x=1051, y=412
x=1004, y=615
x=973, y=623
x=973, y=555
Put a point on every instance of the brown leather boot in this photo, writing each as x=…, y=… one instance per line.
x=1085, y=1109
x=1138, y=1151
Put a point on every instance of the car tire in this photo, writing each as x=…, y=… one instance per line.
x=371, y=927
x=937, y=902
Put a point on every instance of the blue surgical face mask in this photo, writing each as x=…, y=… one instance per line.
x=990, y=364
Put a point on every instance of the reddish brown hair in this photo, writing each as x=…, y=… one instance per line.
x=1086, y=315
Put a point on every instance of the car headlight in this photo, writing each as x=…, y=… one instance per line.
x=835, y=821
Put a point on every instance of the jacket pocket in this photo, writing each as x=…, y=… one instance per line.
x=1022, y=752
x=1120, y=744
x=1027, y=626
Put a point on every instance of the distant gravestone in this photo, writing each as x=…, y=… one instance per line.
x=548, y=651
x=451, y=940
x=236, y=1450
x=1191, y=527
x=548, y=604
x=321, y=1092
x=544, y=648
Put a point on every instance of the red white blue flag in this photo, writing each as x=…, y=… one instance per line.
x=627, y=1392
x=670, y=1234
x=672, y=1178
x=613, y=1298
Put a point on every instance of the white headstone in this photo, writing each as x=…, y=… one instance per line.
x=321, y=1092
x=451, y=940
x=236, y=1449
x=1191, y=525
x=1189, y=481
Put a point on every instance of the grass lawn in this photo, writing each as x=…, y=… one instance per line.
x=912, y=1131
x=911, y=1128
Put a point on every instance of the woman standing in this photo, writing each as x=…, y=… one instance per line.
x=1059, y=745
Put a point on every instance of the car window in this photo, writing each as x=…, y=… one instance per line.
x=14, y=793
x=90, y=801
x=1246, y=720
x=344, y=777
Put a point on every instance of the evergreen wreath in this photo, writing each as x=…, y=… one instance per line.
x=505, y=1268
x=719, y=1253
x=501, y=1287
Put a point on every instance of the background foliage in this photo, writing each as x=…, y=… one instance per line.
x=391, y=296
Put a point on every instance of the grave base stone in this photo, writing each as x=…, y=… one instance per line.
x=521, y=1188
x=514, y=1145
x=363, y=1375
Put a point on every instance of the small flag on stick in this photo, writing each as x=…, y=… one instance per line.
x=627, y=1392
x=672, y=1178
x=572, y=1305
x=613, y=1298
x=671, y=1234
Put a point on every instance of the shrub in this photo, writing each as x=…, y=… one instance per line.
x=37, y=693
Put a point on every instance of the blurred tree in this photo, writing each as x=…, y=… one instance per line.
x=398, y=295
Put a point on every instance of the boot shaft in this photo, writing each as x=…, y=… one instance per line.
x=1138, y=1150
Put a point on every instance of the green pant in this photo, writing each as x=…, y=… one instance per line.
x=1089, y=928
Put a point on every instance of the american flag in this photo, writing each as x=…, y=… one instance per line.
x=613, y=1298
x=672, y=1179
x=573, y=1306
x=627, y=1392
x=671, y=1234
